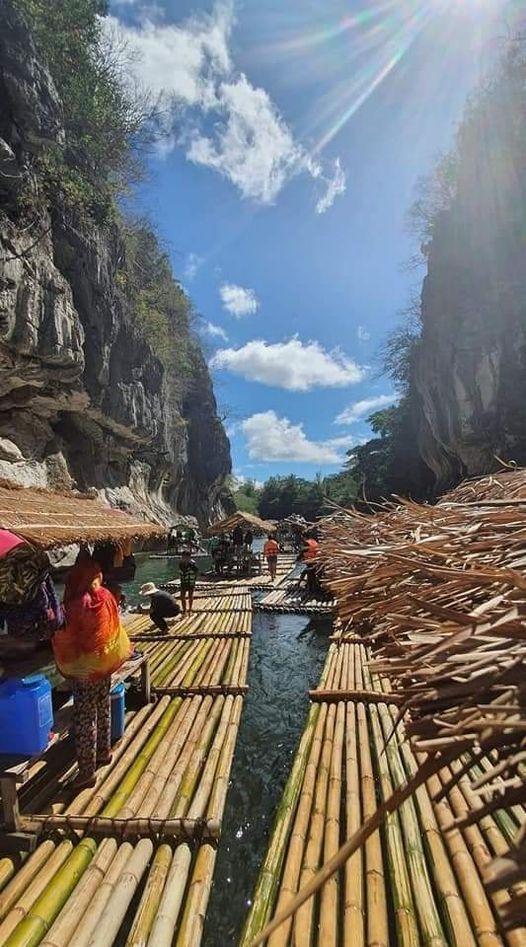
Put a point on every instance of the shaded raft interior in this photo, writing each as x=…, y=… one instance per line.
x=173, y=763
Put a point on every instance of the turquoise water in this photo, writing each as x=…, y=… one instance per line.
x=156, y=570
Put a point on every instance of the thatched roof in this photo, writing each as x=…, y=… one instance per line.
x=246, y=520
x=55, y=519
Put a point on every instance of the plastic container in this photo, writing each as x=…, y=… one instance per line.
x=118, y=708
x=26, y=715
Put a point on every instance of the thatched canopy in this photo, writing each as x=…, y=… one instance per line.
x=56, y=519
x=246, y=520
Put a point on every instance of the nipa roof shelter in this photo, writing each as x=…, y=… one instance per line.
x=246, y=520
x=49, y=519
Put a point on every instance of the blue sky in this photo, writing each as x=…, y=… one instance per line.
x=295, y=137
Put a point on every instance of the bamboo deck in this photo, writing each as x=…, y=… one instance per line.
x=211, y=583
x=413, y=883
x=291, y=599
x=145, y=877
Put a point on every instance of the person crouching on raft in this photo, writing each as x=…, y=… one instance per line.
x=162, y=605
x=270, y=551
x=188, y=575
x=91, y=646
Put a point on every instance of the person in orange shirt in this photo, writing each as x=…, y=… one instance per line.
x=270, y=551
x=309, y=555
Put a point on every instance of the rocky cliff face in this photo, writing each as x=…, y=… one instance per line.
x=469, y=372
x=83, y=398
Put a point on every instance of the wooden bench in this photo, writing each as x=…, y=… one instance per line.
x=16, y=770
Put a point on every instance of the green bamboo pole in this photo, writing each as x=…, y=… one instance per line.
x=167, y=915
x=37, y=922
x=151, y=898
x=267, y=884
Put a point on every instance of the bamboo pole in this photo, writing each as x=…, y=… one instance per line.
x=31, y=930
x=329, y=919
x=192, y=923
x=265, y=893
x=303, y=921
x=167, y=915
x=30, y=895
x=128, y=882
x=90, y=918
x=65, y=926
x=151, y=898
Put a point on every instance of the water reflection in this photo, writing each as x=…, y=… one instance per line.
x=287, y=655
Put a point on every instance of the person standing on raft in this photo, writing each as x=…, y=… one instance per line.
x=188, y=574
x=91, y=646
x=270, y=551
x=162, y=605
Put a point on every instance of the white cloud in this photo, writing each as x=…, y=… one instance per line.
x=336, y=185
x=272, y=438
x=293, y=365
x=363, y=334
x=192, y=265
x=363, y=409
x=213, y=110
x=240, y=479
x=238, y=301
x=216, y=332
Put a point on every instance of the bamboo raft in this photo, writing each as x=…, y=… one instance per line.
x=404, y=821
x=132, y=859
x=291, y=599
x=413, y=882
x=210, y=583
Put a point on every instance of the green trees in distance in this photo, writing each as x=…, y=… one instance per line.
x=280, y=497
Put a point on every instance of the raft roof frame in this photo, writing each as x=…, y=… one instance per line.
x=48, y=519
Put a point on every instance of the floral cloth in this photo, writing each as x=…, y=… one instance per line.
x=93, y=643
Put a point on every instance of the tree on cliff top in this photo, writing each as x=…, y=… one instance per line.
x=106, y=121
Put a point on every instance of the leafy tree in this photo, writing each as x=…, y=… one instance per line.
x=107, y=123
x=246, y=497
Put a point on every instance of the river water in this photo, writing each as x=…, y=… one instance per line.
x=286, y=658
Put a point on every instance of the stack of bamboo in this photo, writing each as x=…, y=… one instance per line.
x=132, y=860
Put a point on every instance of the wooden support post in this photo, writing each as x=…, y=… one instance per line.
x=146, y=686
x=10, y=810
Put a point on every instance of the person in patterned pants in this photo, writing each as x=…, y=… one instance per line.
x=92, y=725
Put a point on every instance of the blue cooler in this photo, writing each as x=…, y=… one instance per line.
x=118, y=709
x=26, y=715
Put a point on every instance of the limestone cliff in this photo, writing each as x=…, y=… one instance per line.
x=469, y=367
x=83, y=397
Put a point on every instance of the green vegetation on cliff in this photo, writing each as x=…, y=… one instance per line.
x=106, y=122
